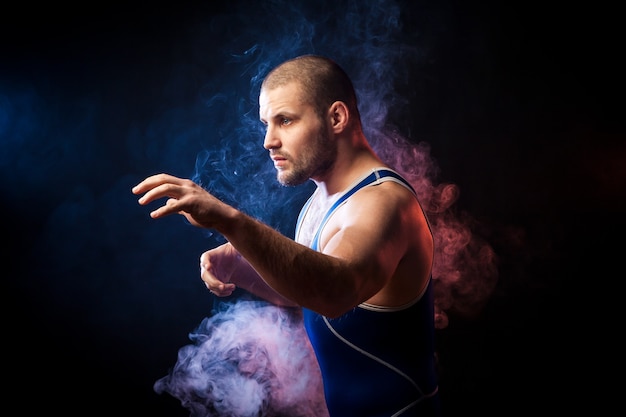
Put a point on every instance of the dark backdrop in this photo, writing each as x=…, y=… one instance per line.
x=519, y=102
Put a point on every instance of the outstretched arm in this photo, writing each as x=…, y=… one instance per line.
x=351, y=270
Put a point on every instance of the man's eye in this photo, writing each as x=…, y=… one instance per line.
x=285, y=121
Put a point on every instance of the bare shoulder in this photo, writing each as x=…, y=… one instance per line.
x=396, y=230
x=388, y=199
x=387, y=212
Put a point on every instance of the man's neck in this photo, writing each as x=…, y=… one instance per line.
x=346, y=171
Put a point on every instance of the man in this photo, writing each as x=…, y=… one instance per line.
x=360, y=264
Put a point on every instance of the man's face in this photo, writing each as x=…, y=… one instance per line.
x=299, y=142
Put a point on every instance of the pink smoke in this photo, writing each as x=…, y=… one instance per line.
x=247, y=360
x=464, y=268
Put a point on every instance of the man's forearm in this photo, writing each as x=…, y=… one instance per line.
x=309, y=278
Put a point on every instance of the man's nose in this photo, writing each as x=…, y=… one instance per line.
x=271, y=140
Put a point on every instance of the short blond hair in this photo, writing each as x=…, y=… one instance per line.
x=321, y=79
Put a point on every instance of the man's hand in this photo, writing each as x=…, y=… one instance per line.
x=216, y=269
x=185, y=197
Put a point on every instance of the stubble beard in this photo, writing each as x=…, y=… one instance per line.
x=314, y=163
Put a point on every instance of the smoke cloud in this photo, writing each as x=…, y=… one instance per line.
x=248, y=359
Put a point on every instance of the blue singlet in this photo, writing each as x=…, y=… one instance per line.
x=376, y=361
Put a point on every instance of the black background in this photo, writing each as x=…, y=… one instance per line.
x=520, y=102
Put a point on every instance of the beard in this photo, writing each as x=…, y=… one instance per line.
x=315, y=161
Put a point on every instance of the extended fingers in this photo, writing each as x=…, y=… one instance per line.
x=171, y=206
x=173, y=190
x=154, y=181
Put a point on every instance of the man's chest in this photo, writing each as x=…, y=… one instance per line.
x=312, y=219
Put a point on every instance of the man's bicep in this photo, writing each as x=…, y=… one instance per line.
x=372, y=244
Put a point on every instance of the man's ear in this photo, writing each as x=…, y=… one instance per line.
x=339, y=116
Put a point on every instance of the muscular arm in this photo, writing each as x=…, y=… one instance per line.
x=361, y=249
x=360, y=253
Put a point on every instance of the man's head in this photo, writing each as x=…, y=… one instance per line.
x=307, y=104
x=322, y=82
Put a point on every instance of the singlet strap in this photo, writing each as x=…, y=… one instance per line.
x=303, y=211
x=372, y=178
